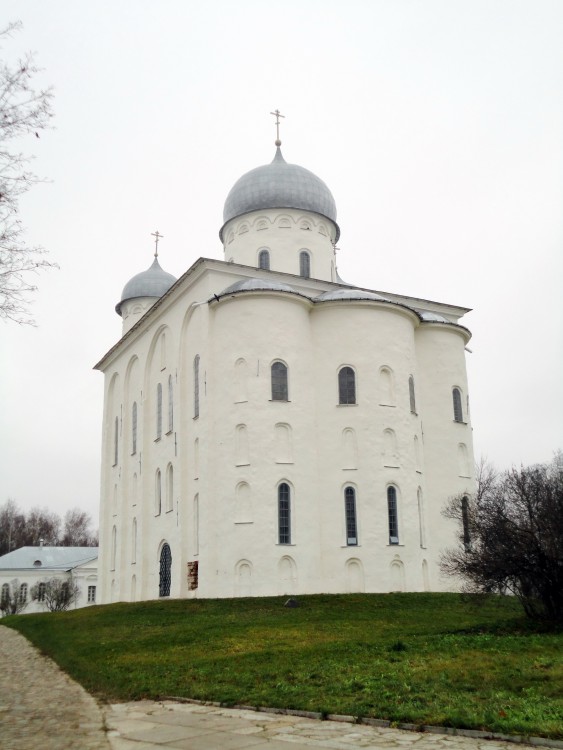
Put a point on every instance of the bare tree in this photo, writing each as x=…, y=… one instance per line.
x=12, y=527
x=24, y=111
x=41, y=524
x=13, y=597
x=511, y=537
x=56, y=594
x=77, y=531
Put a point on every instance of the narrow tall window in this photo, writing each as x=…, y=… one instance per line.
x=134, y=541
x=41, y=592
x=465, y=521
x=23, y=592
x=134, y=428
x=304, y=264
x=159, y=411
x=5, y=592
x=196, y=385
x=170, y=488
x=91, y=594
x=264, y=260
x=458, y=411
x=279, y=382
x=157, y=493
x=346, y=386
x=165, y=576
x=393, y=516
x=170, y=404
x=350, y=510
x=284, y=514
x=411, y=394
x=115, y=440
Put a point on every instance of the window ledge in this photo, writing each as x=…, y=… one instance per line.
x=346, y=405
x=389, y=406
x=279, y=401
x=349, y=468
x=459, y=421
x=134, y=453
x=285, y=462
x=347, y=546
x=158, y=439
x=241, y=401
x=247, y=463
x=169, y=432
x=285, y=544
x=391, y=466
x=171, y=510
x=243, y=523
x=399, y=544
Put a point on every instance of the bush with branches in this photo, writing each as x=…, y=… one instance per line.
x=511, y=537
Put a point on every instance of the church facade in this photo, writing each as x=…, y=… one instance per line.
x=269, y=429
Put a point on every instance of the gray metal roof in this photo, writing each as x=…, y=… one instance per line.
x=51, y=558
x=249, y=285
x=154, y=282
x=431, y=317
x=279, y=185
x=349, y=294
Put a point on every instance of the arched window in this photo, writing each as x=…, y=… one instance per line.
x=411, y=394
x=465, y=522
x=134, y=428
x=279, y=382
x=196, y=385
x=41, y=592
x=346, y=386
x=23, y=593
x=284, y=514
x=159, y=411
x=421, y=525
x=5, y=592
x=264, y=259
x=115, y=441
x=170, y=488
x=165, y=576
x=304, y=264
x=350, y=511
x=458, y=411
x=157, y=493
x=393, y=515
x=170, y=404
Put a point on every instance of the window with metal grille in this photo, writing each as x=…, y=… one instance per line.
x=346, y=386
x=279, y=382
x=411, y=395
x=91, y=593
x=264, y=260
x=134, y=428
x=304, y=264
x=458, y=411
x=196, y=385
x=159, y=411
x=170, y=404
x=350, y=510
x=393, y=515
x=284, y=514
x=165, y=571
x=23, y=592
x=41, y=592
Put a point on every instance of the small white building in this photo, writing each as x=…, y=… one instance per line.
x=270, y=429
x=28, y=566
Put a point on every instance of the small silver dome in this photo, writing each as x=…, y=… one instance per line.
x=250, y=285
x=279, y=185
x=154, y=282
x=349, y=294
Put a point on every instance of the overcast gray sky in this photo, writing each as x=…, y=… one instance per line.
x=437, y=125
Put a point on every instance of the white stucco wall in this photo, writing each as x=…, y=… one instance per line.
x=367, y=446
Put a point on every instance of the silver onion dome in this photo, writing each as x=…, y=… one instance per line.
x=154, y=282
x=279, y=185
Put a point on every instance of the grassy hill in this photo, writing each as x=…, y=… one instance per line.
x=422, y=658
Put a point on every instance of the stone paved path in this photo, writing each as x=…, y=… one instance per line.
x=42, y=708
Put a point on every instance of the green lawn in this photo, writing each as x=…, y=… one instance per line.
x=422, y=658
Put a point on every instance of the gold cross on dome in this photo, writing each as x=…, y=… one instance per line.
x=157, y=237
x=277, y=114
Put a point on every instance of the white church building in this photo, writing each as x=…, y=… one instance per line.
x=269, y=429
